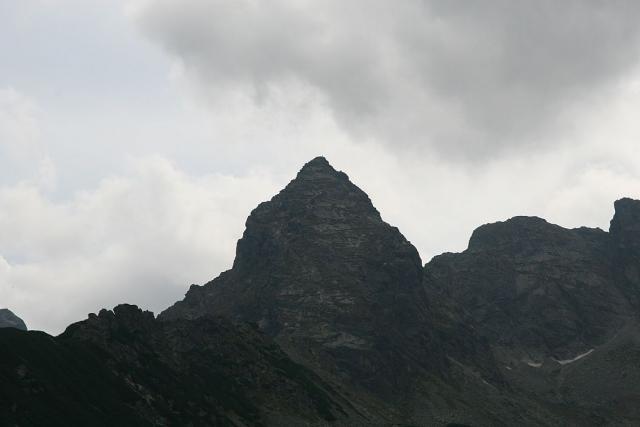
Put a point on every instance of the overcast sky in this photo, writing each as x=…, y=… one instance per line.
x=136, y=136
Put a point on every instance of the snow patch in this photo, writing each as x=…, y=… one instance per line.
x=578, y=357
x=534, y=364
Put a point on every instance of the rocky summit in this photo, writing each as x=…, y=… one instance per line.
x=338, y=288
x=10, y=320
x=328, y=318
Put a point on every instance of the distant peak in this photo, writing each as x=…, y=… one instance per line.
x=318, y=167
x=319, y=161
x=10, y=320
x=514, y=231
x=627, y=205
x=627, y=213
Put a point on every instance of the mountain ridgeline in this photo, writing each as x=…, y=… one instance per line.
x=328, y=318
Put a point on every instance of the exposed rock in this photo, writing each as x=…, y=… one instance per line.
x=535, y=287
x=625, y=247
x=10, y=320
x=555, y=306
x=340, y=289
x=625, y=225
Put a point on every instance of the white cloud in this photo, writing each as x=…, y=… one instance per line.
x=22, y=156
x=139, y=238
x=18, y=126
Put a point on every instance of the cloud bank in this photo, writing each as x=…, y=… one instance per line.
x=141, y=238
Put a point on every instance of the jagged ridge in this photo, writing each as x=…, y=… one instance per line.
x=533, y=324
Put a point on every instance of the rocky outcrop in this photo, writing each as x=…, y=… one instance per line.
x=10, y=320
x=625, y=225
x=625, y=247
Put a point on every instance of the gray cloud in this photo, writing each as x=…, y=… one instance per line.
x=466, y=78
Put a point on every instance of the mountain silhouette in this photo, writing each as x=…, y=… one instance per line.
x=329, y=317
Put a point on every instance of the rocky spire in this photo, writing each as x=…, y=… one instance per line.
x=625, y=225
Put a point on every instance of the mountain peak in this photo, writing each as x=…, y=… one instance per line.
x=320, y=205
x=318, y=269
x=319, y=168
x=10, y=320
x=513, y=234
x=317, y=162
x=627, y=213
x=627, y=203
x=625, y=225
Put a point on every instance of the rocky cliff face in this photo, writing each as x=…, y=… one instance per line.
x=625, y=247
x=337, y=287
x=10, y=320
x=625, y=225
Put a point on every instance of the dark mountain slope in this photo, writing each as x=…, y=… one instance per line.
x=44, y=382
x=126, y=368
x=534, y=287
x=558, y=309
